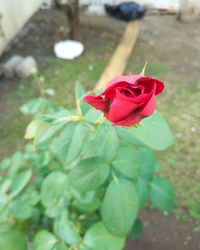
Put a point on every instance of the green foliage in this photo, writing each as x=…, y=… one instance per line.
x=120, y=207
x=162, y=194
x=89, y=174
x=107, y=141
x=88, y=202
x=153, y=132
x=81, y=183
x=194, y=209
x=12, y=239
x=53, y=191
x=67, y=145
x=44, y=241
x=136, y=230
x=66, y=229
x=36, y=106
x=20, y=209
x=98, y=238
x=126, y=161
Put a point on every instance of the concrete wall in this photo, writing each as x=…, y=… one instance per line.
x=13, y=15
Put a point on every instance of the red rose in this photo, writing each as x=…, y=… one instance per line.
x=127, y=99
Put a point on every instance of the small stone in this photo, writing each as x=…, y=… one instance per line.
x=193, y=129
x=26, y=67
x=10, y=65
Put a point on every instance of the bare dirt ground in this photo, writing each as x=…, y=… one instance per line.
x=173, y=51
x=165, y=233
x=38, y=37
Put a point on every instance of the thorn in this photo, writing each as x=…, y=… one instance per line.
x=144, y=69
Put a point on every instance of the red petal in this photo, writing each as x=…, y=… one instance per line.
x=120, y=81
x=120, y=108
x=149, y=83
x=149, y=107
x=131, y=79
x=129, y=121
x=96, y=102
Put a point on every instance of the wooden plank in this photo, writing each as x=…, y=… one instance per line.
x=119, y=60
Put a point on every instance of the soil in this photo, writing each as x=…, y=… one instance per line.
x=165, y=233
x=164, y=40
x=38, y=37
x=158, y=34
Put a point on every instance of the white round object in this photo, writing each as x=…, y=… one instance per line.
x=68, y=49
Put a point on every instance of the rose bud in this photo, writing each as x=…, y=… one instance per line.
x=127, y=99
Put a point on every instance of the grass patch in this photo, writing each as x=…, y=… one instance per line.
x=61, y=76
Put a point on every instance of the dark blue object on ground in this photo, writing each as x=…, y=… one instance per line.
x=126, y=11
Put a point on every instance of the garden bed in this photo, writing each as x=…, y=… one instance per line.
x=177, y=65
x=37, y=39
x=165, y=232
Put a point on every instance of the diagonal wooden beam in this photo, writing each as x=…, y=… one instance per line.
x=119, y=60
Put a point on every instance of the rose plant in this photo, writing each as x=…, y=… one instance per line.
x=127, y=99
x=82, y=182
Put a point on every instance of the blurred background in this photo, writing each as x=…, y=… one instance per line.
x=169, y=39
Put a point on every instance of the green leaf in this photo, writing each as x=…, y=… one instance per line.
x=16, y=164
x=21, y=210
x=11, y=239
x=76, y=142
x=154, y=132
x=31, y=196
x=89, y=174
x=31, y=130
x=57, y=116
x=60, y=246
x=147, y=161
x=162, y=194
x=66, y=230
x=44, y=241
x=127, y=162
x=53, y=189
x=53, y=212
x=92, y=115
x=80, y=91
x=36, y=105
x=3, y=200
x=142, y=187
x=125, y=134
x=5, y=164
x=136, y=230
x=68, y=144
x=20, y=182
x=88, y=202
x=120, y=207
x=32, y=106
x=194, y=209
x=84, y=247
x=41, y=131
x=98, y=238
x=107, y=141
x=47, y=133
x=90, y=147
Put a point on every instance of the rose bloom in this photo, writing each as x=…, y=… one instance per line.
x=127, y=99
